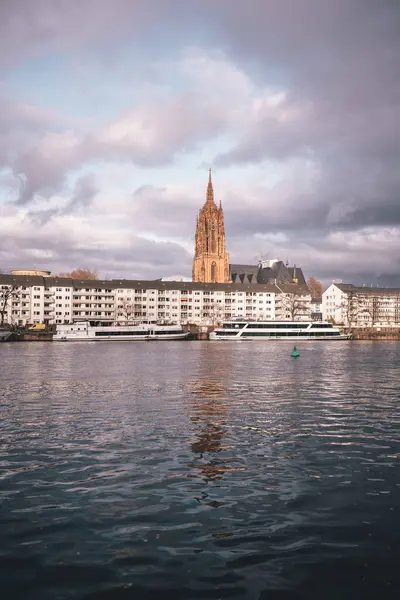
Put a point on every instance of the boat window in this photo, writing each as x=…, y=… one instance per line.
x=226, y=333
x=120, y=333
x=169, y=332
x=302, y=325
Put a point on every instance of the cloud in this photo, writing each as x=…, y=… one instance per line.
x=80, y=200
x=150, y=134
x=35, y=29
x=64, y=241
x=295, y=104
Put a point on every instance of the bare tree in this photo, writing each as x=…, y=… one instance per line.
x=373, y=309
x=351, y=309
x=315, y=287
x=396, y=309
x=126, y=309
x=216, y=312
x=7, y=294
x=81, y=273
x=295, y=306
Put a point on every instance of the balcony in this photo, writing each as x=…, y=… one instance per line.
x=95, y=305
x=93, y=298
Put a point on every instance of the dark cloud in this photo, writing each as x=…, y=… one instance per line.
x=81, y=198
x=141, y=258
x=35, y=29
x=338, y=61
x=338, y=118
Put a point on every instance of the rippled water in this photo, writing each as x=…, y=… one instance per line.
x=199, y=470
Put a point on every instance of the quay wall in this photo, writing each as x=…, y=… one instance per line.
x=368, y=334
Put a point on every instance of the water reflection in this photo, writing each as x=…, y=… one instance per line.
x=212, y=446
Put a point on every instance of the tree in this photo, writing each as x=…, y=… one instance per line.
x=81, y=273
x=126, y=309
x=294, y=306
x=315, y=287
x=396, y=310
x=373, y=308
x=350, y=309
x=7, y=293
x=215, y=312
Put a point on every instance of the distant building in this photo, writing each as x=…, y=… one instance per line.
x=211, y=260
x=31, y=272
x=55, y=300
x=354, y=306
x=316, y=309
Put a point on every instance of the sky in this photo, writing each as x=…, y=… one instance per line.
x=112, y=112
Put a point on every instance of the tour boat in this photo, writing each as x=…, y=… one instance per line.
x=85, y=332
x=4, y=334
x=277, y=330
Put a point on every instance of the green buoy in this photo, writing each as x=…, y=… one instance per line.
x=295, y=353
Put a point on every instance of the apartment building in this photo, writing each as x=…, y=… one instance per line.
x=52, y=300
x=354, y=306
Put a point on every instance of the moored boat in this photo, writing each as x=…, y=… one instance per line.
x=277, y=330
x=85, y=332
x=4, y=334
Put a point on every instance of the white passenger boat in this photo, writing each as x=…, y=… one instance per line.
x=4, y=334
x=85, y=332
x=277, y=330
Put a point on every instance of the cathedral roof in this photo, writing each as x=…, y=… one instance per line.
x=244, y=273
x=278, y=272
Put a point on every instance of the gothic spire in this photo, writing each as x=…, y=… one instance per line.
x=210, y=191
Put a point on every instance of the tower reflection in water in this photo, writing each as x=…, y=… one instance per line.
x=213, y=446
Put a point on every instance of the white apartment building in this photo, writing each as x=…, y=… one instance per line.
x=54, y=300
x=354, y=306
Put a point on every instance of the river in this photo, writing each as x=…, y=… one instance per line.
x=199, y=470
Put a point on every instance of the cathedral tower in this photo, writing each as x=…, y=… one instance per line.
x=211, y=260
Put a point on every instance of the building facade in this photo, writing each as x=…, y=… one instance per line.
x=211, y=260
x=353, y=306
x=52, y=300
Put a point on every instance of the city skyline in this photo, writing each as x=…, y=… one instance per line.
x=112, y=114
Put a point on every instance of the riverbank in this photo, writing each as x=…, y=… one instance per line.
x=388, y=334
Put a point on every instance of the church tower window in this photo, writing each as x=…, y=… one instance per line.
x=213, y=272
x=213, y=243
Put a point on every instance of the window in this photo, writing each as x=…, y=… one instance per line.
x=213, y=243
x=213, y=271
